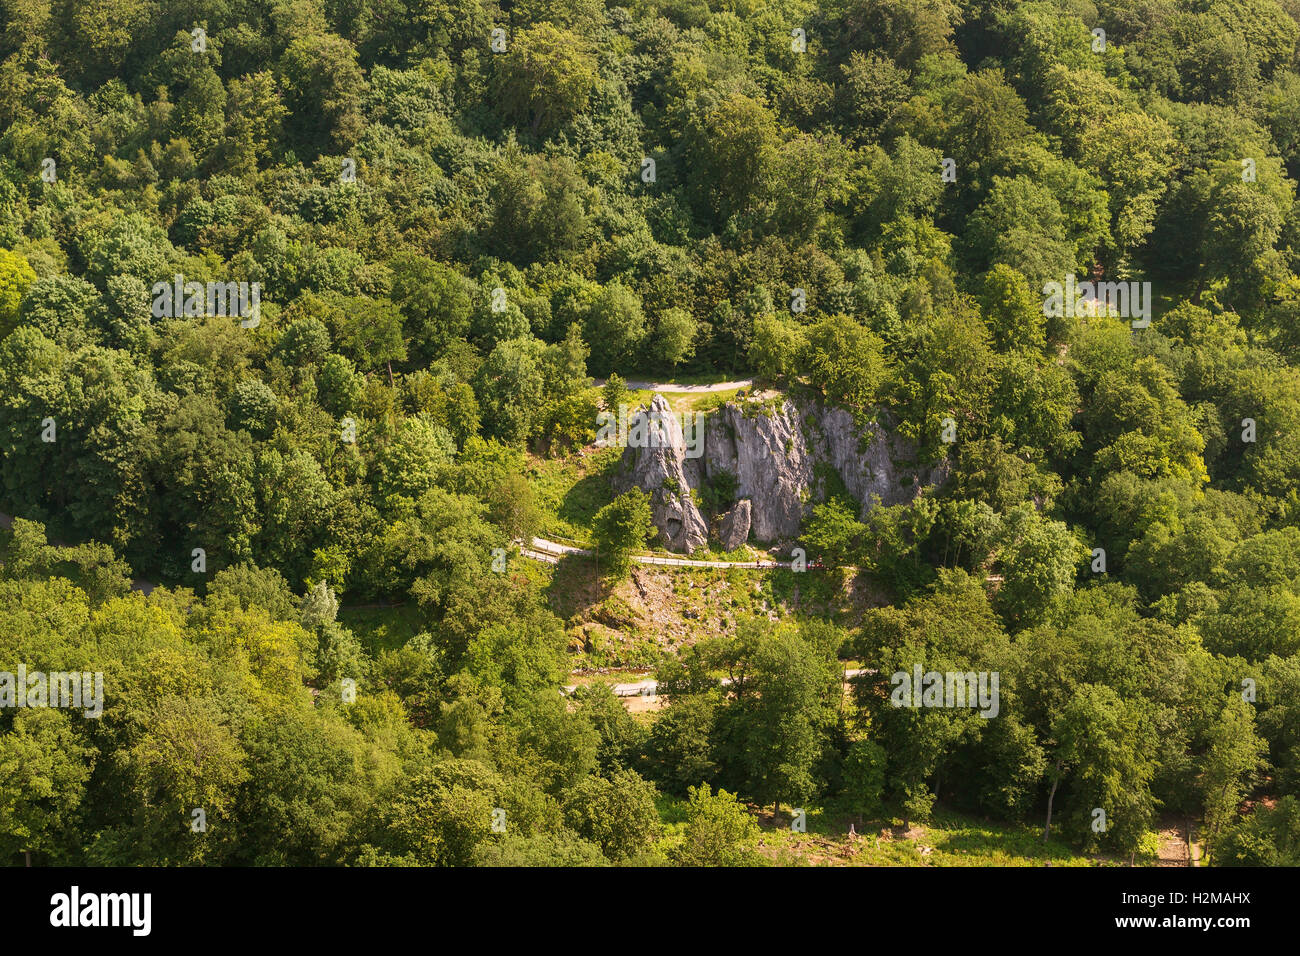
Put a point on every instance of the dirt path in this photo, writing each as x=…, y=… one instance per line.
x=552, y=551
x=674, y=388
x=648, y=690
x=1175, y=850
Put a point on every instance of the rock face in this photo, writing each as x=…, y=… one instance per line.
x=770, y=460
x=781, y=457
x=870, y=462
x=658, y=467
x=733, y=527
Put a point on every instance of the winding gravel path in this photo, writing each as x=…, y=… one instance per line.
x=552, y=551
x=638, y=386
x=650, y=687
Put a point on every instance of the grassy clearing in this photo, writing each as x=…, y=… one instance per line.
x=952, y=839
x=689, y=378
x=683, y=401
x=663, y=609
x=571, y=490
x=705, y=378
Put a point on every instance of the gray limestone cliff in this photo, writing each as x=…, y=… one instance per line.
x=656, y=463
x=781, y=457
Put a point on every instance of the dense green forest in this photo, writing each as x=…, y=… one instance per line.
x=453, y=215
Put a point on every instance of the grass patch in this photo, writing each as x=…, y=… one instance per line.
x=571, y=490
x=672, y=810
x=950, y=839
x=682, y=401
x=573, y=586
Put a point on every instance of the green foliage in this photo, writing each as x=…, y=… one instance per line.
x=16, y=277
x=864, y=777
x=617, y=813
x=834, y=534
x=719, y=832
x=844, y=361
x=448, y=239
x=620, y=529
x=1266, y=837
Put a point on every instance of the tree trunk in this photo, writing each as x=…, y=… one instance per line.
x=1047, y=829
x=28, y=855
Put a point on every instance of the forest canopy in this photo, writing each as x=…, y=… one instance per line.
x=398, y=241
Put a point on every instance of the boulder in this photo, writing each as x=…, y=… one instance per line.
x=733, y=527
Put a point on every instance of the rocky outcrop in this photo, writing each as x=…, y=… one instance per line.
x=871, y=462
x=657, y=465
x=770, y=460
x=733, y=527
x=783, y=459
